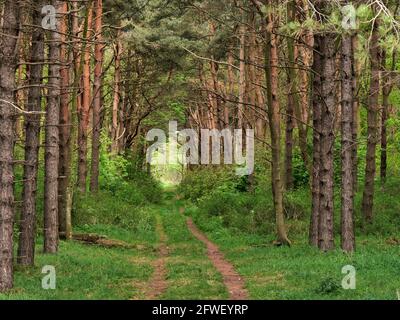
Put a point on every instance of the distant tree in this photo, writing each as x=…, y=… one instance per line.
x=97, y=94
x=372, y=123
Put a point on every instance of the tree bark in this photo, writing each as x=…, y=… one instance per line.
x=52, y=141
x=327, y=139
x=242, y=75
x=117, y=94
x=301, y=83
x=26, y=247
x=85, y=108
x=97, y=96
x=372, y=131
x=290, y=110
x=386, y=90
x=356, y=116
x=64, y=170
x=316, y=112
x=272, y=79
x=347, y=216
x=8, y=61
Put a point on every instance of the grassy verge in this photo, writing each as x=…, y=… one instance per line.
x=93, y=272
x=84, y=272
x=303, y=272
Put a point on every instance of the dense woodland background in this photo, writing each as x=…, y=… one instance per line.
x=317, y=80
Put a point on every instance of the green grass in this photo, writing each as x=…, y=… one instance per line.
x=82, y=272
x=302, y=272
x=87, y=272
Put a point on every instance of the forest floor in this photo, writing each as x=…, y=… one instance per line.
x=175, y=260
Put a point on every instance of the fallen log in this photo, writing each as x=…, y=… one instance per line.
x=100, y=240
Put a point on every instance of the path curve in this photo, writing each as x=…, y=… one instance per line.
x=232, y=280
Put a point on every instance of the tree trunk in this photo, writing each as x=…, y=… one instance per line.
x=85, y=108
x=347, y=217
x=289, y=180
x=8, y=61
x=117, y=94
x=290, y=110
x=327, y=139
x=231, y=88
x=315, y=178
x=299, y=82
x=272, y=79
x=26, y=247
x=97, y=96
x=64, y=170
x=372, y=131
x=242, y=75
x=386, y=90
x=356, y=116
x=52, y=142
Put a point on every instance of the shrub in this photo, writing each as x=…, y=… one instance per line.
x=103, y=208
x=204, y=181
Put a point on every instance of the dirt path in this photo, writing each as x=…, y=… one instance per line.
x=232, y=280
x=158, y=283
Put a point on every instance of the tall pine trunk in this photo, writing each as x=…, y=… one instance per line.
x=64, y=213
x=52, y=141
x=372, y=131
x=356, y=116
x=26, y=247
x=84, y=109
x=291, y=101
x=8, y=62
x=386, y=90
x=272, y=79
x=327, y=140
x=316, y=113
x=347, y=216
x=117, y=94
x=97, y=96
x=242, y=75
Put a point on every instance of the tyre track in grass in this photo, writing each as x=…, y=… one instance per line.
x=158, y=283
x=232, y=280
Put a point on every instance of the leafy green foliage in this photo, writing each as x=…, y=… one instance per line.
x=206, y=180
x=327, y=286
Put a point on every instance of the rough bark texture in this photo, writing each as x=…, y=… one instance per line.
x=272, y=79
x=289, y=180
x=8, y=60
x=85, y=108
x=97, y=96
x=52, y=142
x=242, y=75
x=26, y=247
x=327, y=138
x=291, y=100
x=347, y=217
x=117, y=94
x=372, y=131
x=64, y=215
x=386, y=90
x=298, y=58
x=316, y=112
x=356, y=116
